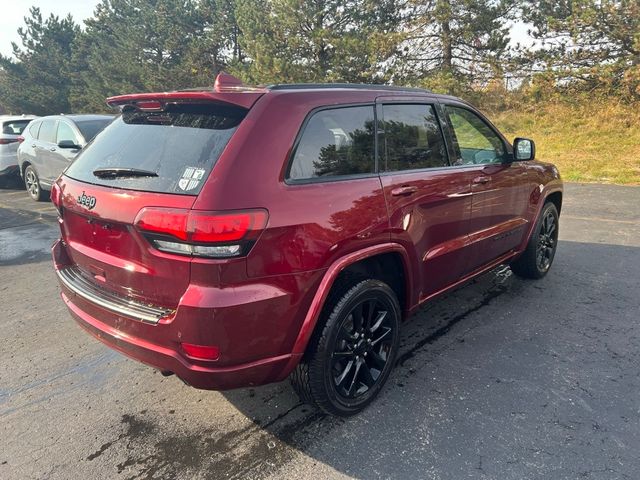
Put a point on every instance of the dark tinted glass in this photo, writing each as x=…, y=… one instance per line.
x=335, y=142
x=15, y=127
x=48, y=131
x=412, y=138
x=90, y=128
x=181, y=145
x=477, y=143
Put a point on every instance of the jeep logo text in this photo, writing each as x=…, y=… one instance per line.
x=86, y=201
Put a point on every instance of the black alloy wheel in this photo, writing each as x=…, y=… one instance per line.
x=537, y=258
x=362, y=348
x=353, y=350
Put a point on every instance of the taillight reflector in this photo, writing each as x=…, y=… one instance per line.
x=201, y=352
x=7, y=141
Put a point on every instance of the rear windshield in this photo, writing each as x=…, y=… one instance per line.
x=15, y=127
x=90, y=128
x=180, y=145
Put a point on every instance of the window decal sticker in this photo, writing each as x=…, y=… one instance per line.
x=191, y=178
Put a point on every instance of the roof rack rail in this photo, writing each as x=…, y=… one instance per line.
x=360, y=86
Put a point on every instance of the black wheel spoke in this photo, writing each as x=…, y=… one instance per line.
x=371, y=306
x=384, y=334
x=343, y=375
x=350, y=392
x=379, y=319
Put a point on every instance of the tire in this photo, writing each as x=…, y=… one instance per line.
x=537, y=258
x=32, y=184
x=350, y=357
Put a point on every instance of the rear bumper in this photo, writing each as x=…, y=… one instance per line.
x=250, y=354
x=168, y=360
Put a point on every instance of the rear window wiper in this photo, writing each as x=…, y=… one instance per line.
x=122, y=172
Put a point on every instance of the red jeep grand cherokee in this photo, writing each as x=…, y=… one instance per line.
x=235, y=236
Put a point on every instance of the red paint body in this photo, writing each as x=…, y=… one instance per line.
x=260, y=310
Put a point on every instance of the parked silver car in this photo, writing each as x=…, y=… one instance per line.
x=50, y=145
x=11, y=128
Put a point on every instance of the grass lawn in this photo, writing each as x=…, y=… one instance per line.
x=597, y=142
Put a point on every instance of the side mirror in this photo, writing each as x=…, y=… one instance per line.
x=68, y=144
x=524, y=149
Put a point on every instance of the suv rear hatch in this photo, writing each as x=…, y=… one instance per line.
x=141, y=176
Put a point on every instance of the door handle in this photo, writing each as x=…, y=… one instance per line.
x=482, y=179
x=404, y=190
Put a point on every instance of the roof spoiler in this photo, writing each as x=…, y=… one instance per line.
x=227, y=90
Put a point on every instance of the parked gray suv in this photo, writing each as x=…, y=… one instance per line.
x=50, y=145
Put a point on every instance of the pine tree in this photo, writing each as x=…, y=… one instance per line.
x=451, y=45
x=38, y=80
x=317, y=40
x=149, y=45
x=589, y=44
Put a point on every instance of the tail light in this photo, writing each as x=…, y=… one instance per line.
x=56, y=197
x=202, y=234
x=20, y=139
x=7, y=141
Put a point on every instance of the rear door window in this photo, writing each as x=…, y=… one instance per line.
x=34, y=129
x=335, y=142
x=48, y=131
x=412, y=138
x=179, y=145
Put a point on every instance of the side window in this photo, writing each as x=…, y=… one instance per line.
x=335, y=142
x=65, y=132
x=412, y=138
x=476, y=141
x=34, y=129
x=48, y=131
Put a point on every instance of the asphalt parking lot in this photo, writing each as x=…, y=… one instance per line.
x=500, y=379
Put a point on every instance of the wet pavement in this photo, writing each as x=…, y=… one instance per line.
x=500, y=379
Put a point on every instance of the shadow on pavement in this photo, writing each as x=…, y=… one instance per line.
x=503, y=377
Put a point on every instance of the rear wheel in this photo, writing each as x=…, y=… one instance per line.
x=537, y=258
x=32, y=183
x=350, y=359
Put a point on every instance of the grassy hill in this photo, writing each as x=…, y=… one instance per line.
x=591, y=142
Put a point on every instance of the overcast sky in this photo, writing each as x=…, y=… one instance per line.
x=12, y=13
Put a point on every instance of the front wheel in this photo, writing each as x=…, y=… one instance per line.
x=537, y=258
x=350, y=359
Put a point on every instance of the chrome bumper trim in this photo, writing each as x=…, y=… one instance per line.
x=72, y=278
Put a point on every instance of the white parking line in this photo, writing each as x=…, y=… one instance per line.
x=600, y=219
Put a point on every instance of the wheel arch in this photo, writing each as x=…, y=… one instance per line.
x=375, y=262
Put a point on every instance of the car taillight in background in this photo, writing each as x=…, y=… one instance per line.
x=7, y=141
x=202, y=234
